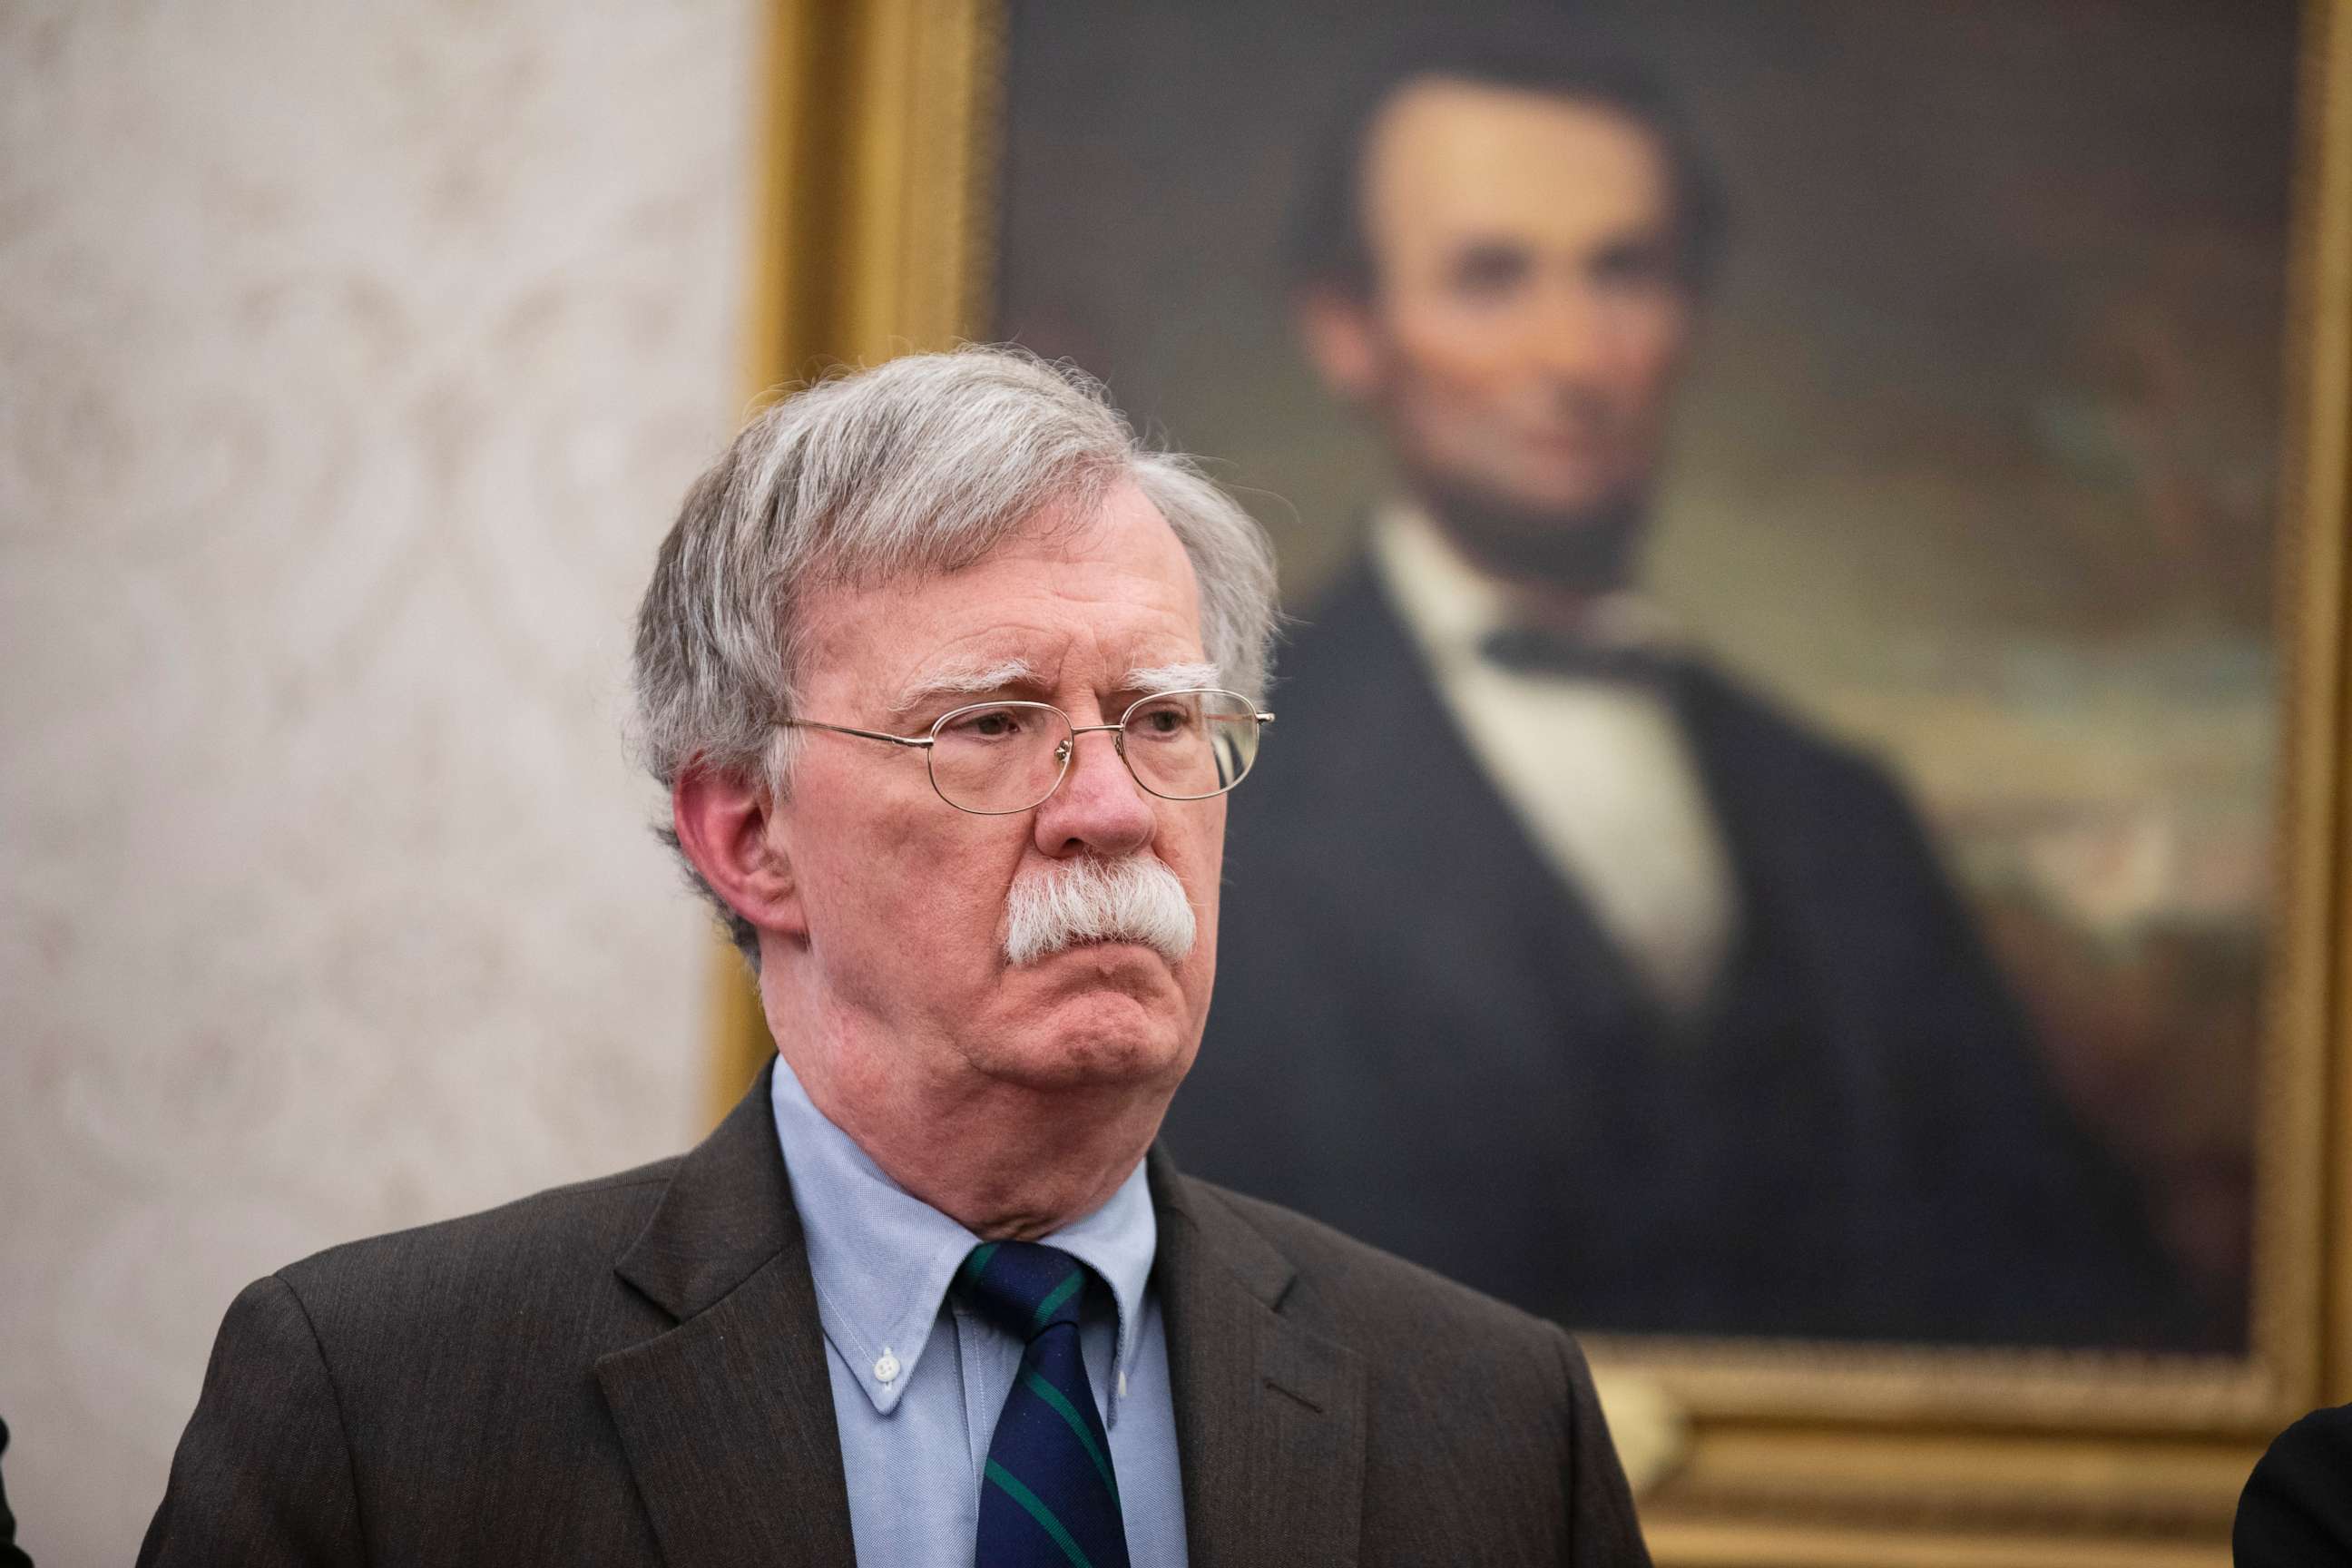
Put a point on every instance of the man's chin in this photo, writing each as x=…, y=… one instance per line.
x=1097, y=1048
x=1094, y=1014
x=1116, y=985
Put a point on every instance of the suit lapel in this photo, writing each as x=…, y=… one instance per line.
x=1269, y=1417
x=726, y=1419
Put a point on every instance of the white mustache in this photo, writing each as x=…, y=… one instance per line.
x=1135, y=898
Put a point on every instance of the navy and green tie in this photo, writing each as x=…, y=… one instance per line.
x=1048, y=1496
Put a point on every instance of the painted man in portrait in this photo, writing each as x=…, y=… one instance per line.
x=1556, y=958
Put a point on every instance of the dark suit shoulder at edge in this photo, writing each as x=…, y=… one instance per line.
x=1369, y=1282
x=618, y=1204
x=2325, y=1434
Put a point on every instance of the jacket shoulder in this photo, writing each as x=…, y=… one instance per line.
x=2294, y=1509
x=1481, y=1419
x=507, y=1257
x=1357, y=1294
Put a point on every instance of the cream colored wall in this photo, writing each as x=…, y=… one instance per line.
x=351, y=360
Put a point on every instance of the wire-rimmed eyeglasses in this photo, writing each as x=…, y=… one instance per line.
x=993, y=759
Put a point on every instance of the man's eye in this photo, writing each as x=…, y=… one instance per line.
x=1160, y=722
x=985, y=724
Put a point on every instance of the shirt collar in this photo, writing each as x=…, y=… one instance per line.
x=1452, y=607
x=882, y=1259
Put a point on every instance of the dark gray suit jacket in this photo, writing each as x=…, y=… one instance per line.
x=631, y=1371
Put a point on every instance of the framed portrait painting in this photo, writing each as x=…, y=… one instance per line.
x=1806, y=832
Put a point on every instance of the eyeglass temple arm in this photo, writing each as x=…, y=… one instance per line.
x=1075, y=729
x=919, y=742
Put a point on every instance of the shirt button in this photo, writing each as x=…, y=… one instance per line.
x=885, y=1369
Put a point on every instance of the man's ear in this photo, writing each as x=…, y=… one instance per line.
x=726, y=827
x=1341, y=340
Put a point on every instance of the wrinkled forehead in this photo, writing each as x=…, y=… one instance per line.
x=1060, y=598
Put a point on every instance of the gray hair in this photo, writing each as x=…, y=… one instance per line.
x=919, y=466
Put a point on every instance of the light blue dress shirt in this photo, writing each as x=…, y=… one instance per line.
x=917, y=1382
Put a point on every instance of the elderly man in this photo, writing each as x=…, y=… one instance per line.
x=947, y=679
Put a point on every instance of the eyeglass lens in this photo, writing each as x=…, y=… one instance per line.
x=999, y=757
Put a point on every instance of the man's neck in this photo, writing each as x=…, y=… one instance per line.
x=1006, y=1161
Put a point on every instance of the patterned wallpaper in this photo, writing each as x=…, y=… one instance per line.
x=353, y=359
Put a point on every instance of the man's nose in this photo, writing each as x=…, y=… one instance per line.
x=1569, y=336
x=1099, y=808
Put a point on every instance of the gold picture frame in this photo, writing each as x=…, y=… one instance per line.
x=876, y=156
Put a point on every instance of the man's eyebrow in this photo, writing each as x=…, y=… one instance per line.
x=1170, y=678
x=972, y=679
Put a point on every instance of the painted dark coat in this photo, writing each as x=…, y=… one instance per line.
x=1421, y=1036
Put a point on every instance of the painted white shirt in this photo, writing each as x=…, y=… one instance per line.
x=1598, y=772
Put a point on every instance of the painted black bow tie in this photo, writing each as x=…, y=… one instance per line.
x=1525, y=651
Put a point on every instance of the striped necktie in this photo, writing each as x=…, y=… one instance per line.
x=1048, y=1498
